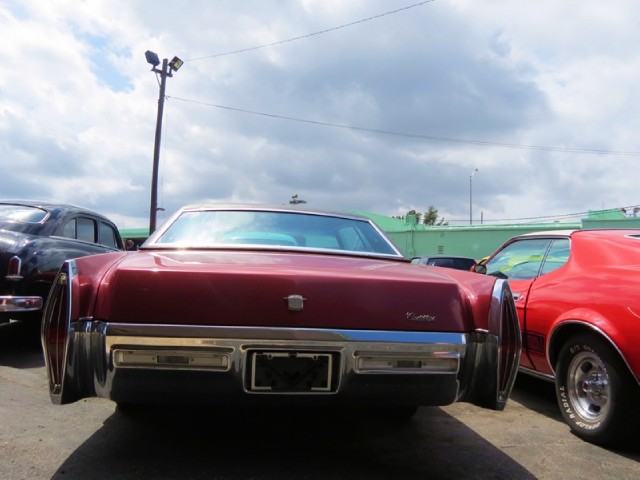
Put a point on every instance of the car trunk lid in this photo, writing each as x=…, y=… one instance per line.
x=279, y=289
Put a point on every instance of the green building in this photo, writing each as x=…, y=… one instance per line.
x=478, y=241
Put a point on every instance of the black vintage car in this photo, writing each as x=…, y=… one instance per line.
x=35, y=239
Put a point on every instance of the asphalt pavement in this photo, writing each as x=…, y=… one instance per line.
x=91, y=440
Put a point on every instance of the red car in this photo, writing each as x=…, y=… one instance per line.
x=578, y=299
x=249, y=305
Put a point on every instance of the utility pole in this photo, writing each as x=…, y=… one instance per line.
x=167, y=71
x=153, y=209
x=471, y=196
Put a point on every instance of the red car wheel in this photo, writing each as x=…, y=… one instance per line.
x=595, y=392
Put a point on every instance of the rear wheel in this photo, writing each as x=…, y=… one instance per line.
x=595, y=390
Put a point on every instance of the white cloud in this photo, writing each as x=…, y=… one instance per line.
x=78, y=105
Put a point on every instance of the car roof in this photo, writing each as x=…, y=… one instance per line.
x=549, y=233
x=50, y=206
x=592, y=231
x=273, y=208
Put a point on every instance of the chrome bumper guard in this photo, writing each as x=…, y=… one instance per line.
x=10, y=303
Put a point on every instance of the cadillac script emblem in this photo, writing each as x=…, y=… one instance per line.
x=415, y=317
x=295, y=302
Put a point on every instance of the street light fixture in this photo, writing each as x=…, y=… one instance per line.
x=295, y=200
x=471, y=196
x=175, y=64
x=167, y=71
x=152, y=58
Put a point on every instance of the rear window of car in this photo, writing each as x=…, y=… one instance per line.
x=22, y=214
x=216, y=228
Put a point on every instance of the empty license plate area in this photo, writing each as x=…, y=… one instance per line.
x=289, y=371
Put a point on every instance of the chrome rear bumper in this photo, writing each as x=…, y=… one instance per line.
x=145, y=363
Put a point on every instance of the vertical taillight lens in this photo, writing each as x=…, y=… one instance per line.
x=55, y=328
x=510, y=345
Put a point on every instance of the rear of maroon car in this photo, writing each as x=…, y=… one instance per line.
x=240, y=328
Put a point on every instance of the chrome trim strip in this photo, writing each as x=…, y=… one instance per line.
x=10, y=303
x=534, y=373
x=213, y=336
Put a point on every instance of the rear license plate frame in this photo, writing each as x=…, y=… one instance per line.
x=291, y=372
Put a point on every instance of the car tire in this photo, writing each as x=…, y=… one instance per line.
x=595, y=390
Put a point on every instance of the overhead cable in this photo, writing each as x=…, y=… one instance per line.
x=544, y=148
x=327, y=30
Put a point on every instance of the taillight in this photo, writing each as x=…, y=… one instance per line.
x=13, y=269
x=54, y=331
x=511, y=344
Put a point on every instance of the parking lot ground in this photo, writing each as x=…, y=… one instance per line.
x=90, y=439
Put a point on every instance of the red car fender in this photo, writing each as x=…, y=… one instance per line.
x=587, y=319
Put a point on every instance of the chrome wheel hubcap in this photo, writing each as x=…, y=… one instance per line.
x=589, y=389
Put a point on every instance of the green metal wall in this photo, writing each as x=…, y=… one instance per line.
x=478, y=241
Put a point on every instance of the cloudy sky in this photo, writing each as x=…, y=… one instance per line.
x=376, y=105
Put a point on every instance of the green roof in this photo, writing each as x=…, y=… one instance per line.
x=387, y=224
x=134, y=232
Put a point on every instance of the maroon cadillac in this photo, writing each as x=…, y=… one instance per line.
x=251, y=305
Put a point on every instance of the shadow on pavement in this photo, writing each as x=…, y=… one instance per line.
x=286, y=444
x=537, y=395
x=20, y=346
x=540, y=396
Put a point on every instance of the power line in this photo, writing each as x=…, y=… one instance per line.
x=301, y=37
x=421, y=136
x=564, y=216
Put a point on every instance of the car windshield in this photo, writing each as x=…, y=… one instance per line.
x=528, y=258
x=273, y=229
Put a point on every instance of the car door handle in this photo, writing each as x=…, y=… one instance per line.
x=516, y=296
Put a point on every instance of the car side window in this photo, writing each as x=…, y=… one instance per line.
x=69, y=229
x=557, y=256
x=107, y=236
x=520, y=260
x=86, y=229
x=80, y=228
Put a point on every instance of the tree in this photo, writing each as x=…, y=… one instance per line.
x=416, y=214
x=430, y=217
